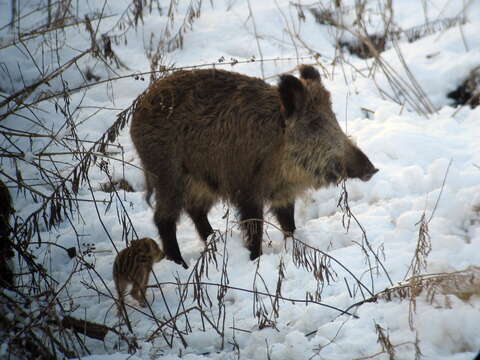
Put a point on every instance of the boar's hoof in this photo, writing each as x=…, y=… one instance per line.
x=183, y=263
x=178, y=261
x=255, y=254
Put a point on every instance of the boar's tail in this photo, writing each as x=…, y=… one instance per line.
x=149, y=186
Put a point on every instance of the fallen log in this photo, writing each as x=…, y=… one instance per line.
x=87, y=328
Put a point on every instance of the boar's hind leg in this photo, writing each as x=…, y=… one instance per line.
x=285, y=217
x=166, y=215
x=199, y=216
x=251, y=216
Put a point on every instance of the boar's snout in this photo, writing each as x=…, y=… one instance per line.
x=367, y=176
x=360, y=166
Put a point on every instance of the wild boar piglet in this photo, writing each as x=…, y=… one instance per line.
x=132, y=266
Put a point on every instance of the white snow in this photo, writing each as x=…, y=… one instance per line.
x=429, y=166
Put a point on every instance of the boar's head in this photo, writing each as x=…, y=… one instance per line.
x=315, y=141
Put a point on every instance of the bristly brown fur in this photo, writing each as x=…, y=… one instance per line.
x=133, y=266
x=205, y=135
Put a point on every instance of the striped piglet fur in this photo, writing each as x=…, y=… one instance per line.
x=132, y=266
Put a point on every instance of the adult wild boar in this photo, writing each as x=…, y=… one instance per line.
x=205, y=135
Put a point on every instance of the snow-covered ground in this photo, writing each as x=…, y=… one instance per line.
x=429, y=166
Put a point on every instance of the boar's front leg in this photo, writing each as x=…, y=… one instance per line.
x=285, y=217
x=251, y=217
x=167, y=228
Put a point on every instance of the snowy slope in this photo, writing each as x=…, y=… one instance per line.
x=429, y=166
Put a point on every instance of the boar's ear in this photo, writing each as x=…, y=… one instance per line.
x=308, y=72
x=292, y=94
